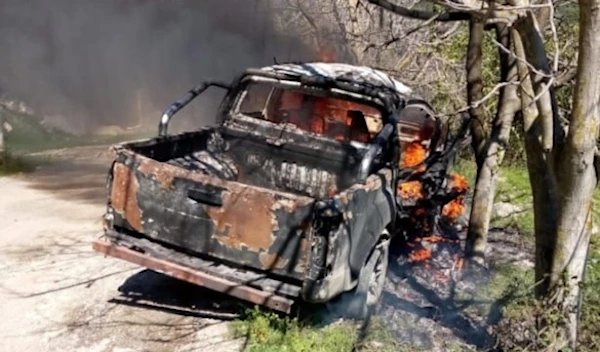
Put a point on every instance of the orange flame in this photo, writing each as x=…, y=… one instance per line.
x=458, y=182
x=433, y=239
x=460, y=263
x=413, y=154
x=420, y=254
x=410, y=190
x=456, y=207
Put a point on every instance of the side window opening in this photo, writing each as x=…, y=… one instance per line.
x=416, y=129
x=255, y=100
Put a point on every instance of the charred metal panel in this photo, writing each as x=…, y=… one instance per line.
x=234, y=222
x=317, y=171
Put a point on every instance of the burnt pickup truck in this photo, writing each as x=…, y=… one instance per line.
x=291, y=196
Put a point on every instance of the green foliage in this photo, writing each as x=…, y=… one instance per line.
x=269, y=332
x=448, y=93
x=29, y=136
x=453, y=51
x=10, y=164
x=514, y=155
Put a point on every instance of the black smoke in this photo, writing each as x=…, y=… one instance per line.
x=95, y=62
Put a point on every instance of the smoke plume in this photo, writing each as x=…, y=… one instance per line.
x=85, y=63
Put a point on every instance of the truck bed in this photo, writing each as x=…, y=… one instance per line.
x=225, y=196
x=307, y=169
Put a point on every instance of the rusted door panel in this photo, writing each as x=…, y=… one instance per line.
x=238, y=223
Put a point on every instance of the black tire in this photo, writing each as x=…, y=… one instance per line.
x=363, y=301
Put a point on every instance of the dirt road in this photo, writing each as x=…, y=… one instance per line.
x=56, y=294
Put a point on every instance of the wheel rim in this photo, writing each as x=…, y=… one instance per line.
x=377, y=280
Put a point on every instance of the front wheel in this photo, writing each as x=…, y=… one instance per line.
x=365, y=298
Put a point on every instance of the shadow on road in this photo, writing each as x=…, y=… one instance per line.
x=152, y=290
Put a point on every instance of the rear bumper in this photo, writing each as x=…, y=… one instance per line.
x=197, y=277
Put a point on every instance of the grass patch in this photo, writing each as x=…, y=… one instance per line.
x=518, y=330
x=23, y=144
x=11, y=164
x=269, y=332
x=27, y=135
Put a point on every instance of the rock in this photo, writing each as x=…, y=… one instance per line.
x=376, y=345
x=504, y=209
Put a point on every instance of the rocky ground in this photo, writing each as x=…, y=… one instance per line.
x=56, y=294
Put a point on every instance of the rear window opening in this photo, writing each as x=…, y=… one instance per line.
x=334, y=118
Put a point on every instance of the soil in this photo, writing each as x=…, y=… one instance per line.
x=56, y=294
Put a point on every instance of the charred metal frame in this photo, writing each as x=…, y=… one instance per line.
x=181, y=103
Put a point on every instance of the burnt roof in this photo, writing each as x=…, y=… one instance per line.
x=360, y=75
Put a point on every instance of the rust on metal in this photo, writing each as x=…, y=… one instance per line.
x=245, y=219
x=196, y=277
x=123, y=196
x=272, y=260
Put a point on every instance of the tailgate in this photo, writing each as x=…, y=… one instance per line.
x=199, y=214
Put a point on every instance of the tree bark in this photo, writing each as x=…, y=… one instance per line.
x=474, y=65
x=576, y=171
x=475, y=246
x=562, y=178
x=541, y=177
x=535, y=53
x=493, y=153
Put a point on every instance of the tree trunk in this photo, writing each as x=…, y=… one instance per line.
x=576, y=171
x=541, y=177
x=475, y=87
x=563, y=177
x=491, y=155
x=535, y=52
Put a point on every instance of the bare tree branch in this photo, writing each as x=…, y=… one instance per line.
x=481, y=101
x=420, y=14
x=512, y=54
